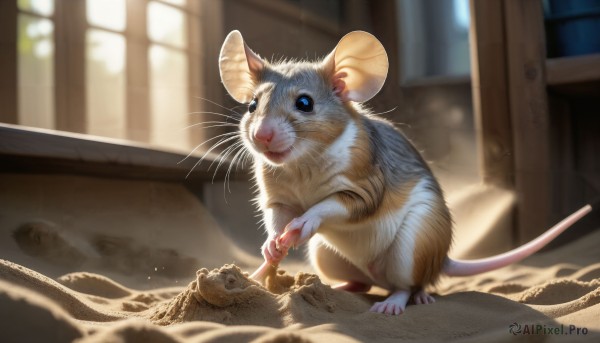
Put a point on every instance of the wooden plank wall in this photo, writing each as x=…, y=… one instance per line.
x=526, y=57
x=8, y=62
x=490, y=92
x=69, y=66
x=511, y=106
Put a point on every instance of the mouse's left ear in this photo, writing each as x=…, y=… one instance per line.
x=357, y=66
x=239, y=67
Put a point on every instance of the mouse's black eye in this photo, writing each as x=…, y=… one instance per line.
x=252, y=105
x=304, y=103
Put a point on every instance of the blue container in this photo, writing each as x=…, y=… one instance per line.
x=573, y=27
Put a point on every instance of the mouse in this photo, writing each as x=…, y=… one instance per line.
x=345, y=181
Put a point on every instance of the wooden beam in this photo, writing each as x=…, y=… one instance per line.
x=573, y=69
x=69, y=61
x=211, y=90
x=526, y=54
x=195, y=62
x=490, y=92
x=35, y=150
x=138, y=105
x=383, y=18
x=291, y=10
x=8, y=62
x=356, y=15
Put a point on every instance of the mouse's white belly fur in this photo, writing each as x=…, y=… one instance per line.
x=383, y=247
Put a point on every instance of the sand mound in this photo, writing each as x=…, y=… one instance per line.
x=26, y=316
x=226, y=295
x=77, y=306
x=94, y=284
x=223, y=305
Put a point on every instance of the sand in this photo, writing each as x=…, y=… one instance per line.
x=152, y=265
x=223, y=305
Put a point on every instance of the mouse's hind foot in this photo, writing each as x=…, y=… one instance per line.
x=395, y=304
x=422, y=298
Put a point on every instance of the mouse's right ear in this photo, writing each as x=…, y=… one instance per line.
x=239, y=67
x=357, y=66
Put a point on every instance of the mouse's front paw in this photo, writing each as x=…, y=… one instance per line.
x=306, y=225
x=271, y=252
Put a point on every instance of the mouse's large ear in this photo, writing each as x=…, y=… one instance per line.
x=357, y=66
x=239, y=67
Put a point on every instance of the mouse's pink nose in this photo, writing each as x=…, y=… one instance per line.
x=264, y=134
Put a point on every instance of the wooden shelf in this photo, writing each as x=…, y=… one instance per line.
x=571, y=70
x=24, y=149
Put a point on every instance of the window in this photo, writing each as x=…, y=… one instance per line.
x=168, y=73
x=36, y=63
x=105, y=68
x=111, y=68
x=434, y=38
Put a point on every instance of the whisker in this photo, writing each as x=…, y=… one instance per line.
x=230, y=150
x=206, y=141
x=238, y=156
x=240, y=149
x=216, y=113
x=222, y=141
x=238, y=106
x=217, y=104
x=385, y=112
x=245, y=156
x=226, y=181
x=221, y=124
x=223, y=155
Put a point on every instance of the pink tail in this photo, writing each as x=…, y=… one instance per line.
x=472, y=267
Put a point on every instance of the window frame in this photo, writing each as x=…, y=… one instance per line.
x=70, y=29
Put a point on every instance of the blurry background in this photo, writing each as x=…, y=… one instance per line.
x=138, y=69
x=113, y=68
x=112, y=90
